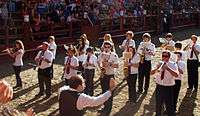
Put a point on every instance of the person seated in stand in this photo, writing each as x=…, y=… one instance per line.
x=72, y=101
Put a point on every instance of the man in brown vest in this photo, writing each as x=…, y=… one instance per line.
x=72, y=101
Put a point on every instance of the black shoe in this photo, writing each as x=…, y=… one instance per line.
x=17, y=86
x=48, y=96
x=39, y=94
x=139, y=92
x=189, y=88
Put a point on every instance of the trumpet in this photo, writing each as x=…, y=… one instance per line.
x=187, y=47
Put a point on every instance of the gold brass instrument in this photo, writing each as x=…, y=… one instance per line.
x=142, y=54
x=126, y=57
x=105, y=57
x=187, y=47
x=165, y=44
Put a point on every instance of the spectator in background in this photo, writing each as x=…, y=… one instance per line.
x=3, y=14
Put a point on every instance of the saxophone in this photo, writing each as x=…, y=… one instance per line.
x=126, y=56
x=106, y=57
x=142, y=55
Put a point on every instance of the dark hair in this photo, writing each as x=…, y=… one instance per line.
x=73, y=49
x=90, y=49
x=178, y=53
x=74, y=82
x=178, y=45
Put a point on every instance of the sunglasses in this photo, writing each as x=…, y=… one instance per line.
x=165, y=56
x=107, y=47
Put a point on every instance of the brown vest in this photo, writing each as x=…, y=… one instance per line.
x=67, y=103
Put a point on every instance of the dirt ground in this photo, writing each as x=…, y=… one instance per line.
x=188, y=103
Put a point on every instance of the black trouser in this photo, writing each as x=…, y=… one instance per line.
x=52, y=68
x=89, y=76
x=177, y=88
x=165, y=95
x=105, y=85
x=193, y=77
x=144, y=72
x=44, y=80
x=17, y=70
x=131, y=81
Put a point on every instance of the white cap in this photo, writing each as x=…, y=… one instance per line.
x=146, y=34
x=46, y=43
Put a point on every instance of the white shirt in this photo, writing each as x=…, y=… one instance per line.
x=92, y=60
x=169, y=79
x=113, y=59
x=88, y=101
x=47, y=55
x=18, y=58
x=72, y=72
x=197, y=47
x=171, y=43
x=181, y=64
x=82, y=56
x=184, y=54
x=53, y=46
x=149, y=48
x=131, y=43
x=135, y=60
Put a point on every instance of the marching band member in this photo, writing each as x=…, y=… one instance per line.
x=178, y=48
x=17, y=54
x=72, y=101
x=71, y=64
x=133, y=65
x=89, y=64
x=192, y=64
x=128, y=41
x=146, y=50
x=44, y=60
x=181, y=68
x=166, y=71
x=107, y=37
x=52, y=48
x=169, y=45
x=108, y=61
x=83, y=45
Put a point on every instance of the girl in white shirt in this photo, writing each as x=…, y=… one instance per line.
x=83, y=45
x=17, y=54
x=133, y=74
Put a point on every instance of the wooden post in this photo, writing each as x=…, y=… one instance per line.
x=122, y=24
x=6, y=35
x=71, y=29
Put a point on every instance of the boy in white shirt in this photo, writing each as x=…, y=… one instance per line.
x=166, y=71
x=71, y=64
x=44, y=60
x=146, y=50
x=108, y=61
